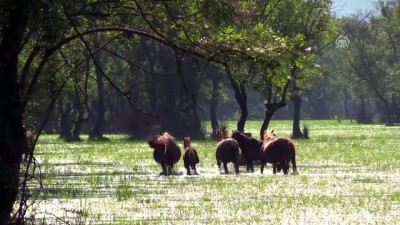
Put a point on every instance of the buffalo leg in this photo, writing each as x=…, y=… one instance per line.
x=169, y=170
x=263, y=162
x=187, y=170
x=250, y=166
x=285, y=167
x=226, y=168
x=279, y=167
x=274, y=167
x=236, y=168
x=294, y=166
x=219, y=164
x=164, y=169
x=262, y=167
x=195, y=171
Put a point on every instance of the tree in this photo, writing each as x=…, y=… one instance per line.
x=368, y=58
x=391, y=35
x=307, y=24
x=12, y=136
x=240, y=96
x=99, y=125
x=37, y=34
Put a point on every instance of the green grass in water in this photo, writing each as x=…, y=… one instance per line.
x=349, y=173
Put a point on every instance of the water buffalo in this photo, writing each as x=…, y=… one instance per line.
x=166, y=151
x=227, y=150
x=278, y=151
x=250, y=148
x=190, y=157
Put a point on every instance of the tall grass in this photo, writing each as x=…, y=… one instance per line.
x=349, y=173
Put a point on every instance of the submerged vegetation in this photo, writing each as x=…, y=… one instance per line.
x=349, y=173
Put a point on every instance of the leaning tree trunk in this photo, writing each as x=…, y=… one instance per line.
x=213, y=107
x=241, y=98
x=270, y=109
x=12, y=137
x=268, y=116
x=272, y=105
x=98, y=129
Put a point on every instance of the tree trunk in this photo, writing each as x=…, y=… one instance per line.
x=272, y=105
x=12, y=135
x=152, y=84
x=241, y=98
x=65, y=122
x=268, y=116
x=297, y=133
x=213, y=107
x=270, y=110
x=388, y=110
x=98, y=129
x=296, y=99
x=76, y=129
x=346, y=103
x=396, y=110
x=362, y=117
x=243, y=108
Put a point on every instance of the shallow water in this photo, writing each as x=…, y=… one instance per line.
x=118, y=183
x=323, y=195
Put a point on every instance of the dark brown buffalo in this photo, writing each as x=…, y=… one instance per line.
x=166, y=151
x=227, y=151
x=250, y=148
x=278, y=151
x=190, y=157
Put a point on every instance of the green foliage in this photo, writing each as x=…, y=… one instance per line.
x=262, y=40
x=368, y=66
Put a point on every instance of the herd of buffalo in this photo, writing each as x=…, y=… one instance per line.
x=280, y=152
